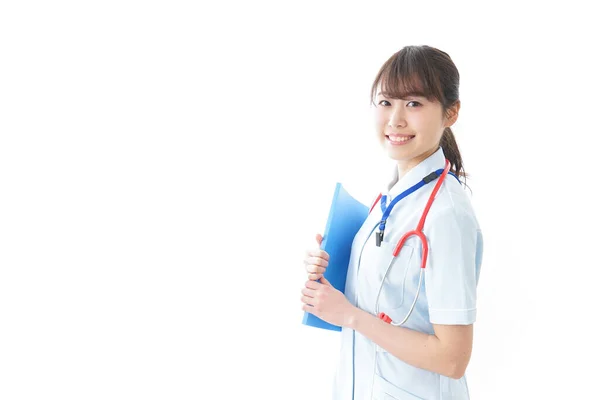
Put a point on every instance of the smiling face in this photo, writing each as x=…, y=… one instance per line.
x=410, y=128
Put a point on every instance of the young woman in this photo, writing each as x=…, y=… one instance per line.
x=407, y=331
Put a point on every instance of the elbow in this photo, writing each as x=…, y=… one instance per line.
x=456, y=369
x=457, y=374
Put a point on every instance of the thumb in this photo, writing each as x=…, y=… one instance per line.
x=325, y=281
x=319, y=238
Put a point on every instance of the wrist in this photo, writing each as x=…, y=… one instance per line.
x=350, y=321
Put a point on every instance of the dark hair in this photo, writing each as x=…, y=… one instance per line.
x=428, y=72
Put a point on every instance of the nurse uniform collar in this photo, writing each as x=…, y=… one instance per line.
x=386, y=210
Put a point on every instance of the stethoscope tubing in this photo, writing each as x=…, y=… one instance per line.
x=416, y=232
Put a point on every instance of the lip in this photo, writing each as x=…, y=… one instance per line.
x=398, y=135
x=394, y=134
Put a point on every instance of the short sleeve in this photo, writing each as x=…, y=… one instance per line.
x=452, y=270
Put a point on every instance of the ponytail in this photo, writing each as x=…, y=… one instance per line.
x=452, y=153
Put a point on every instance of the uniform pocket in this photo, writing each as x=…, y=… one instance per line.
x=374, y=263
x=384, y=390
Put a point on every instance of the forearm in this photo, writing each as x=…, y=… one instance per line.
x=415, y=348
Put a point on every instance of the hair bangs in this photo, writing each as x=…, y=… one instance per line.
x=406, y=74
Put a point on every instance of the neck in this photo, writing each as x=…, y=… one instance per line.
x=405, y=166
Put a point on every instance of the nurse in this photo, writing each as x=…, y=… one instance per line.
x=416, y=100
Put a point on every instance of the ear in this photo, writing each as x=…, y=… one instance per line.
x=452, y=114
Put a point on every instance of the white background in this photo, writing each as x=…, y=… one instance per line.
x=164, y=166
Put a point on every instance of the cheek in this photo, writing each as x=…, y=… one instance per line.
x=380, y=121
x=428, y=127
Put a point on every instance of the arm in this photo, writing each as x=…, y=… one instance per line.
x=447, y=352
x=450, y=284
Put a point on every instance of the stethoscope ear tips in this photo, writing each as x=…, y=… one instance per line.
x=384, y=317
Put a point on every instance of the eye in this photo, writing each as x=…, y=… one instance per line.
x=415, y=102
x=384, y=101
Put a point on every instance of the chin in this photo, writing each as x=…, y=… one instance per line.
x=396, y=155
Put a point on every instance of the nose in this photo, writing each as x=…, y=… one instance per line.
x=397, y=118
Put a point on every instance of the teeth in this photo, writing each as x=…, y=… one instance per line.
x=400, y=139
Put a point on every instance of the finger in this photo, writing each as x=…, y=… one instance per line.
x=308, y=292
x=308, y=308
x=319, y=238
x=315, y=277
x=325, y=282
x=308, y=300
x=312, y=284
x=315, y=269
x=316, y=261
x=318, y=253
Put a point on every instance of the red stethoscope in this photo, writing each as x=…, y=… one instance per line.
x=416, y=232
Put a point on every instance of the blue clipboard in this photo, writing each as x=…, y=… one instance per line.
x=346, y=216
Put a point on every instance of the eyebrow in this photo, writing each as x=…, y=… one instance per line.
x=386, y=94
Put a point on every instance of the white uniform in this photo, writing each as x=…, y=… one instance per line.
x=447, y=296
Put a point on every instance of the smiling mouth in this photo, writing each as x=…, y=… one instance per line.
x=399, y=140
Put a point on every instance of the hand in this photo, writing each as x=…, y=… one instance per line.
x=316, y=261
x=327, y=303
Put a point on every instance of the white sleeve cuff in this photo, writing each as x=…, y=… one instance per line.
x=452, y=317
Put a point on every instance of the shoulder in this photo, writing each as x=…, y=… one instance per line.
x=452, y=207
